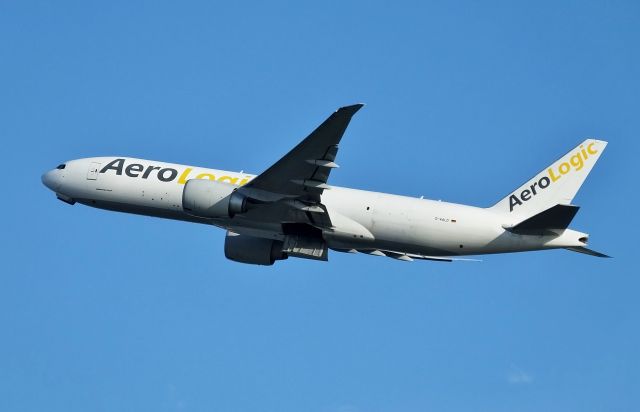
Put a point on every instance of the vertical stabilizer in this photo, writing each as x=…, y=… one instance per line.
x=555, y=185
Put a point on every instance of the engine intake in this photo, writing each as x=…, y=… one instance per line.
x=252, y=250
x=212, y=199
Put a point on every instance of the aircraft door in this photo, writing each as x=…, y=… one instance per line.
x=92, y=173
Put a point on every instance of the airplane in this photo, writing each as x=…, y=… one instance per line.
x=290, y=209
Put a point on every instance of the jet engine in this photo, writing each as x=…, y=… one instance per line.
x=252, y=250
x=212, y=199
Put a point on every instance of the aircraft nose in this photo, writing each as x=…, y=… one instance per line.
x=52, y=179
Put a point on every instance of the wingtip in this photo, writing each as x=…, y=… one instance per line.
x=352, y=109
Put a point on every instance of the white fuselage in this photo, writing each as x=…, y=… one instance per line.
x=399, y=223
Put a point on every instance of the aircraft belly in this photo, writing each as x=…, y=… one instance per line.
x=142, y=209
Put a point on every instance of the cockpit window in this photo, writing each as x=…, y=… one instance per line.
x=62, y=166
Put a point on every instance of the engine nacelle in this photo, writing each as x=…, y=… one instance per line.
x=252, y=250
x=211, y=199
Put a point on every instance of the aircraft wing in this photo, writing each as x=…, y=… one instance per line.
x=302, y=173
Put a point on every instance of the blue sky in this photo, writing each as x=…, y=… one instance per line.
x=465, y=100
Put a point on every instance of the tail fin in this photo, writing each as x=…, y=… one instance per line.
x=557, y=184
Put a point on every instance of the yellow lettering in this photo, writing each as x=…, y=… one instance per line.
x=183, y=177
x=594, y=151
x=553, y=175
x=576, y=161
x=243, y=181
x=564, y=168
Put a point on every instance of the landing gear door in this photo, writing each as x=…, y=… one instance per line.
x=92, y=173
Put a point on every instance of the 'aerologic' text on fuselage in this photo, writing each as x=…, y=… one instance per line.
x=166, y=174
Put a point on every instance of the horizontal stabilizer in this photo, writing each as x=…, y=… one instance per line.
x=587, y=251
x=556, y=217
